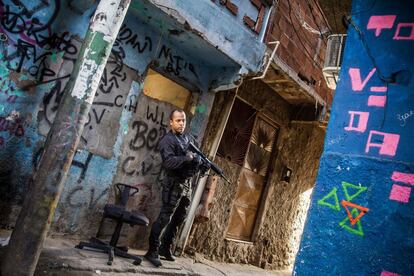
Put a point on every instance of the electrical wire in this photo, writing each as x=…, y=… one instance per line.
x=301, y=42
x=322, y=13
x=316, y=22
x=368, y=51
x=334, y=16
x=305, y=25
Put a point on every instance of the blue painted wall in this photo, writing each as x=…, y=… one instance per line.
x=361, y=219
x=38, y=46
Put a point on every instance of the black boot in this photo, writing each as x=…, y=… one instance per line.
x=152, y=257
x=165, y=251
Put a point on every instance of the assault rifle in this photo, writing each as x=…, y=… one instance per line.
x=213, y=166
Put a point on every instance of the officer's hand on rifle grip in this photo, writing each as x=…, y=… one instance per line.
x=190, y=156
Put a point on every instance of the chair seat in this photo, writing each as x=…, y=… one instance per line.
x=119, y=213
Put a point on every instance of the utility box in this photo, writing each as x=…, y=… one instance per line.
x=333, y=59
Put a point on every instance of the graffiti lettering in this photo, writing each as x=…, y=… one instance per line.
x=145, y=136
x=82, y=166
x=403, y=118
x=143, y=169
x=175, y=63
x=91, y=204
x=404, y=31
x=127, y=37
x=132, y=103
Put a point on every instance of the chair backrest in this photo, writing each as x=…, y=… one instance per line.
x=125, y=192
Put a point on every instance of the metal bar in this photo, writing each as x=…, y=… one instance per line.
x=47, y=183
x=270, y=60
x=182, y=240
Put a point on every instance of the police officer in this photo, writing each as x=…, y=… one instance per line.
x=179, y=166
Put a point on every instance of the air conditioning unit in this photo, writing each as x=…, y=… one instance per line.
x=333, y=59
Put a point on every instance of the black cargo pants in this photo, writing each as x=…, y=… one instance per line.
x=176, y=199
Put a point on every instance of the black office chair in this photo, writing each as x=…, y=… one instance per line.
x=118, y=213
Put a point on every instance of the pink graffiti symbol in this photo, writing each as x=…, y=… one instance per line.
x=361, y=123
x=357, y=83
x=401, y=193
x=397, y=35
x=389, y=143
x=380, y=22
x=378, y=101
x=387, y=273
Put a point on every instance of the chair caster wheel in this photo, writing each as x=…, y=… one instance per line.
x=109, y=262
x=137, y=262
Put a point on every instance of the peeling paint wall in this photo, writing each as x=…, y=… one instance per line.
x=39, y=43
x=361, y=218
x=284, y=205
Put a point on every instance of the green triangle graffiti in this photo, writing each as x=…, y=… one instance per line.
x=356, y=230
x=348, y=186
x=333, y=194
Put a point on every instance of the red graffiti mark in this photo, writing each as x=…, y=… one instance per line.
x=353, y=220
x=146, y=195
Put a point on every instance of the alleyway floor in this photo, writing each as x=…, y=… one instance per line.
x=60, y=257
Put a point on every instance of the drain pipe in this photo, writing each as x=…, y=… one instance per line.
x=182, y=241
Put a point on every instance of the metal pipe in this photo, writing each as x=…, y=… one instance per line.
x=264, y=29
x=182, y=241
x=47, y=184
x=270, y=60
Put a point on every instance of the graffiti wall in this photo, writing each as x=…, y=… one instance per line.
x=362, y=212
x=39, y=44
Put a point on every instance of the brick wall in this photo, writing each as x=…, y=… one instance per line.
x=302, y=50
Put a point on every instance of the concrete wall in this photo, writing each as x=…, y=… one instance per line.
x=297, y=25
x=284, y=205
x=362, y=212
x=39, y=43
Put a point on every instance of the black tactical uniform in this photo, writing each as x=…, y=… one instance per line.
x=176, y=192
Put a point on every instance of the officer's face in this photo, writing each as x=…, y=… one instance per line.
x=177, y=122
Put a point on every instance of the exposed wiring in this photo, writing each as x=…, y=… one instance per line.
x=316, y=22
x=322, y=13
x=306, y=25
x=334, y=16
x=301, y=42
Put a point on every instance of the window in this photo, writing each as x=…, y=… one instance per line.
x=159, y=87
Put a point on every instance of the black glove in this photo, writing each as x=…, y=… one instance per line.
x=204, y=167
x=197, y=159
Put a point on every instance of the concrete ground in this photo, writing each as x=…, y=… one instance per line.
x=60, y=257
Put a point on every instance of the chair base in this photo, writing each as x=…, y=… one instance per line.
x=112, y=251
